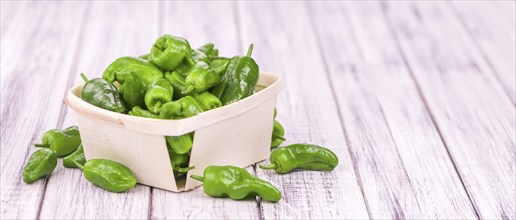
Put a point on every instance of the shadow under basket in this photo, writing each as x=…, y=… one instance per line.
x=237, y=134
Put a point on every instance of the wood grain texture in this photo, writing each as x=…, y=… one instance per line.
x=284, y=43
x=473, y=114
x=36, y=59
x=201, y=23
x=403, y=164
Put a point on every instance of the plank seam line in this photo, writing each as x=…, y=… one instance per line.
x=332, y=89
x=69, y=83
x=149, y=211
x=425, y=103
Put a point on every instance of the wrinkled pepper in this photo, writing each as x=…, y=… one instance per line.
x=208, y=100
x=301, y=156
x=185, y=107
x=158, y=93
x=278, y=133
x=121, y=67
x=169, y=51
x=201, y=78
x=219, y=65
x=77, y=156
x=180, y=144
x=237, y=183
x=139, y=111
x=178, y=82
x=209, y=49
x=199, y=56
x=41, y=164
x=63, y=142
x=108, y=175
x=133, y=91
x=103, y=94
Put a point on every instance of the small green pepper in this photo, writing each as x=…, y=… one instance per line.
x=208, y=100
x=108, y=175
x=41, y=164
x=138, y=111
x=201, y=78
x=301, y=156
x=199, y=56
x=133, y=91
x=78, y=155
x=179, y=162
x=180, y=144
x=63, y=142
x=178, y=82
x=278, y=133
x=209, y=49
x=185, y=107
x=159, y=93
x=219, y=65
x=103, y=94
x=169, y=51
x=237, y=183
x=121, y=67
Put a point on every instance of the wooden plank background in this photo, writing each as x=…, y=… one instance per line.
x=416, y=98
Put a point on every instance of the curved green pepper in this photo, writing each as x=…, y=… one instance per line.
x=208, y=100
x=237, y=183
x=301, y=156
x=103, y=94
x=78, y=155
x=278, y=133
x=121, y=67
x=159, y=93
x=201, y=78
x=63, y=142
x=180, y=144
x=138, y=111
x=178, y=82
x=238, y=80
x=41, y=164
x=108, y=175
x=185, y=107
x=133, y=91
x=169, y=51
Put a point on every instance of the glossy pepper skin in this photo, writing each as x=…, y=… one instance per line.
x=208, y=100
x=209, y=49
x=103, y=94
x=179, y=162
x=133, y=91
x=169, y=51
x=108, y=175
x=236, y=183
x=178, y=82
x=219, y=65
x=185, y=107
x=238, y=80
x=62, y=142
x=77, y=156
x=201, y=78
x=159, y=93
x=278, y=133
x=199, y=56
x=180, y=144
x=139, y=111
x=41, y=164
x=121, y=67
x=301, y=156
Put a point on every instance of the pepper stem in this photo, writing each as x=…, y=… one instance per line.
x=268, y=166
x=250, y=50
x=280, y=137
x=196, y=177
x=189, y=89
x=84, y=77
x=157, y=106
x=41, y=145
x=78, y=165
x=183, y=169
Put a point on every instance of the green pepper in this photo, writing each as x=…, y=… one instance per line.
x=121, y=67
x=169, y=51
x=277, y=135
x=138, y=111
x=301, y=156
x=180, y=144
x=103, y=94
x=63, y=142
x=237, y=183
x=133, y=91
x=41, y=164
x=238, y=80
x=78, y=155
x=208, y=100
x=185, y=107
x=178, y=82
x=159, y=93
x=219, y=65
x=199, y=56
x=201, y=78
x=179, y=162
x=108, y=175
x=145, y=56
x=209, y=49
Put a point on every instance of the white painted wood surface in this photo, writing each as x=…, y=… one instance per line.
x=416, y=98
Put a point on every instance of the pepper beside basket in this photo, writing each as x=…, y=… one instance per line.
x=237, y=134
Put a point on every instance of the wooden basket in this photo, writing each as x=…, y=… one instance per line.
x=237, y=134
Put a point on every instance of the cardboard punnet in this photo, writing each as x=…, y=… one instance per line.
x=237, y=134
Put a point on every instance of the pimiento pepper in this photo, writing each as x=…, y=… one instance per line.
x=278, y=133
x=237, y=183
x=301, y=156
x=139, y=111
x=169, y=51
x=133, y=91
x=199, y=56
x=63, y=142
x=209, y=49
x=121, y=67
x=238, y=80
x=158, y=93
x=78, y=155
x=103, y=94
x=180, y=144
x=208, y=100
x=179, y=162
x=219, y=65
x=41, y=164
x=108, y=175
x=185, y=107
x=178, y=82
x=201, y=78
